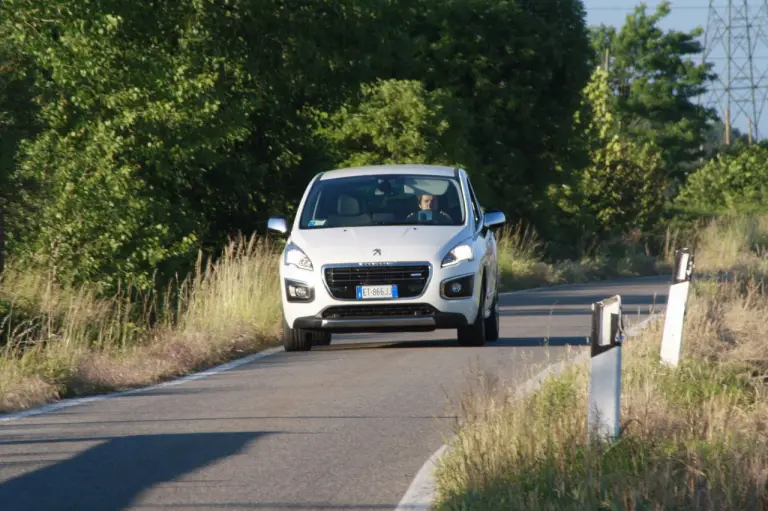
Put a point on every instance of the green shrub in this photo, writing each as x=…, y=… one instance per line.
x=729, y=182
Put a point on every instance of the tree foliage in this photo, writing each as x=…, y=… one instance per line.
x=622, y=188
x=657, y=83
x=734, y=181
x=170, y=125
x=162, y=128
x=519, y=67
x=398, y=121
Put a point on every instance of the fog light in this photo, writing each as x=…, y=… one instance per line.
x=460, y=287
x=298, y=291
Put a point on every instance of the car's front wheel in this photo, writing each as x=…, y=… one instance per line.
x=474, y=333
x=492, y=327
x=296, y=339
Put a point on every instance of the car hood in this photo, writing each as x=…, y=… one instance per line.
x=401, y=243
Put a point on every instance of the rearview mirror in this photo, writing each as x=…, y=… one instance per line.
x=493, y=218
x=277, y=224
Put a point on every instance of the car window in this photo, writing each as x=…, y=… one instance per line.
x=383, y=200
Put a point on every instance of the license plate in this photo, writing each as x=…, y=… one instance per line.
x=369, y=292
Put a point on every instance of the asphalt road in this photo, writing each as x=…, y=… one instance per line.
x=341, y=427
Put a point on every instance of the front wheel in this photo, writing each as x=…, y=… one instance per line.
x=492, y=327
x=474, y=334
x=296, y=339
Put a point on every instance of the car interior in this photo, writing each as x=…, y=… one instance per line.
x=350, y=205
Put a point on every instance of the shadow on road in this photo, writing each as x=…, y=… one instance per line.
x=504, y=342
x=552, y=300
x=109, y=476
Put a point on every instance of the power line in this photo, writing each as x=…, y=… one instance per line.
x=741, y=88
x=672, y=7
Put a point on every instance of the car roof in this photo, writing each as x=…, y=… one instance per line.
x=393, y=169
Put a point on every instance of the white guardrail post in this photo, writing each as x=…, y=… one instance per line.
x=605, y=369
x=672, y=338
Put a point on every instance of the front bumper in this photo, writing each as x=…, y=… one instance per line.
x=428, y=311
x=383, y=324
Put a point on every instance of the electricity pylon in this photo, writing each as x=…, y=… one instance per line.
x=739, y=28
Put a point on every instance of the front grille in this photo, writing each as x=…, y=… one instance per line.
x=343, y=281
x=415, y=310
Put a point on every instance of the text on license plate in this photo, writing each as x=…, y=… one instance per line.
x=364, y=292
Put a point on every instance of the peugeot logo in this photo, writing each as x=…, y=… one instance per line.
x=376, y=251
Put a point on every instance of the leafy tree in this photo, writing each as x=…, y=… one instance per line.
x=398, y=121
x=18, y=120
x=518, y=67
x=655, y=82
x=729, y=182
x=622, y=189
x=170, y=125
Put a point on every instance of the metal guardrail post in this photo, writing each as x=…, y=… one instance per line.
x=604, y=403
x=672, y=338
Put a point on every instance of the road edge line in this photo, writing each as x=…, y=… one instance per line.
x=420, y=495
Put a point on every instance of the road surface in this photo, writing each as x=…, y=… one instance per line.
x=341, y=427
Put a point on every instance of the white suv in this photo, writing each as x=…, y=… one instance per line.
x=389, y=248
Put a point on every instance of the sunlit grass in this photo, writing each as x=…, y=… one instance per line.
x=521, y=262
x=62, y=342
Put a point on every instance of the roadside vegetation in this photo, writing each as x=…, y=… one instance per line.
x=70, y=342
x=522, y=264
x=141, y=156
x=692, y=438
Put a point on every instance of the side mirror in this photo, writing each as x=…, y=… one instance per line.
x=493, y=218
x=277, y=224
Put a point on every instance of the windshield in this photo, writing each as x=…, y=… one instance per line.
x=383, y=200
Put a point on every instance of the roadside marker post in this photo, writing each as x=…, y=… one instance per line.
x=604, y=403
x=672, y=338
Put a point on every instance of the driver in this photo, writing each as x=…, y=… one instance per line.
x=431, y=203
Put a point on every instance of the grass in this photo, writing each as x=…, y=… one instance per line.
x=522, y=266
x=695, y=437
x=61, y=343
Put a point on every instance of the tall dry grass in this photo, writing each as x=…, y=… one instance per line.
x=695, y=437
x=521, y=262
x=60, y=343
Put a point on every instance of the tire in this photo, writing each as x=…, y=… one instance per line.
x=474, y=334
x=296, y=339
x=321, y=338
x=492, y=327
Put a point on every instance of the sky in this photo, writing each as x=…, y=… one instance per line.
x=686, y=15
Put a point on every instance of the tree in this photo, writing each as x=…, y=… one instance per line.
x=655, y=82
x=167, y=126
x=398, y=121
x=733, y=181
x=518, y=67
x=18, y=120
x=170, y=125
x=622, y=189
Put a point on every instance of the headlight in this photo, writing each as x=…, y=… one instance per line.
x=461, y=252
x=295, y=256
